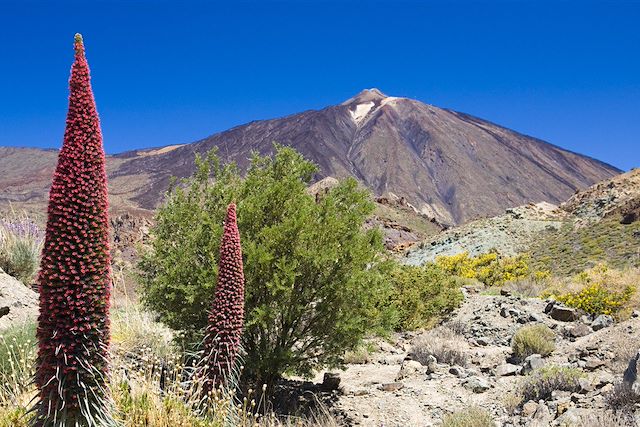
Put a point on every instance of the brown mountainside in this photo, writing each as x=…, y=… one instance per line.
x=451, y=166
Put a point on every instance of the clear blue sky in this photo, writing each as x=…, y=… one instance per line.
x=174, y=72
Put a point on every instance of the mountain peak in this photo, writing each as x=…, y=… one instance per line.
x=367, y=95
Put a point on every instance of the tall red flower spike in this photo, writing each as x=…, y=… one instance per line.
x=75, y=276
x=222, y=341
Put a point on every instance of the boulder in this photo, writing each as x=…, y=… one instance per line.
x=477, y=384
x=535, y=361
x=410, y=368
x=18, y=303
x=507, y=369
x=331, y=381
x=630, y=376
x=563, y=314
x=601, y=322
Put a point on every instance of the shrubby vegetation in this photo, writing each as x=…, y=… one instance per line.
x=20, y=246
x=542, y=382
x=312, y=285
x=491, y=269
x=533, y=339
x=147, y=381
x=443, y=344
x=571, y=250
x=418, y=296
x=598, y=290
x=17, y=358
x=469, y=417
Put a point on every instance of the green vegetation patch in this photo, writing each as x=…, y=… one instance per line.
x=568, y=251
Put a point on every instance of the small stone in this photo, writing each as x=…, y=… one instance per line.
x=601, y=322
x=529, y=408
x=533, y=362
x=549, y=306
x=477, y=384
x=585, y=385
x=507, y=369
x=535, y=317
x=563, y=314
x=4, y=311
x=395, y=386
x=562, y=406
x=578, y=330
x=483, y=341
x=458, y=371
x=330, y=381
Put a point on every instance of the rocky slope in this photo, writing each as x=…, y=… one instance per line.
x=596, y=224
x=617, y=197
x=18, y=303
x=509, y=234
x=390, y=388
x=451, y=166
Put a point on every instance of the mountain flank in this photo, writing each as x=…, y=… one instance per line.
x=450, y=166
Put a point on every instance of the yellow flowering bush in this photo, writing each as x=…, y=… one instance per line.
x=596, y=299
x=489, y=268
x=598, y=290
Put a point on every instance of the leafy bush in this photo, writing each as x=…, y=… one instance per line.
x=20, y=246
x=419, y=295
x=598, y=290
x=490, y=269
x=469, y=417
x=441, y=343
x=533, y=339
x=542, y=382
x=312, y=286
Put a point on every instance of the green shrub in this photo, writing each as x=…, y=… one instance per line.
x=420, y=295
x=533, y=339
x=20, y=246
x=312, y=285
x=542, y=382
x=469, y=417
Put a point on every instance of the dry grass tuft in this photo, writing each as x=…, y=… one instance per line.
x=441, y=343
x=469, y=417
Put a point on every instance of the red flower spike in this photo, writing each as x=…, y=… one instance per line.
x=77, y=213
x=222, y=341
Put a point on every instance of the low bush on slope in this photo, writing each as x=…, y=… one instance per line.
x=598, y=290
x=570, y=251
x=20, y=246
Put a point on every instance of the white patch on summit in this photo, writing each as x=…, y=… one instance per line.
x=361, y=111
